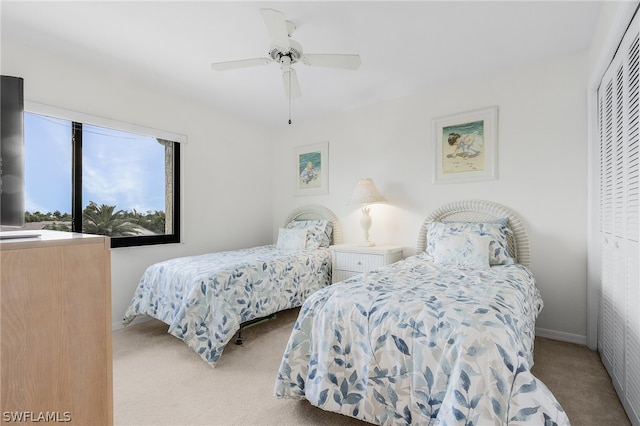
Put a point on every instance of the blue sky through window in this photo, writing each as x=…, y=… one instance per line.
x=119, y=168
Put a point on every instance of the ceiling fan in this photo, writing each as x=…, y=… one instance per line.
x=286, y=52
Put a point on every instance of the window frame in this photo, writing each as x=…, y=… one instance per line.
x=77, y=120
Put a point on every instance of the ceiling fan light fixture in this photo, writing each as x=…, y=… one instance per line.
x=294, y=52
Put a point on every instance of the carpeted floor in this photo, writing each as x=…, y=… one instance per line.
x=159, y=380
x=579, y=382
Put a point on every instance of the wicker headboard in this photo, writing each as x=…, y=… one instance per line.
x=315, y=211
x=479, y=211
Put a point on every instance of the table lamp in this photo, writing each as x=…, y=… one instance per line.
x=366, y=193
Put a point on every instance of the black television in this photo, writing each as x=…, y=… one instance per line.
x=12, y=181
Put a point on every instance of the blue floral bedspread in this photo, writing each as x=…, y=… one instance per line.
x=205, y=298
x=417, y=343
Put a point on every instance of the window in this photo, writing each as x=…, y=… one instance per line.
x=95, y=179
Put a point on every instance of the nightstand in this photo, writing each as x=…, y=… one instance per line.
x=349, y=260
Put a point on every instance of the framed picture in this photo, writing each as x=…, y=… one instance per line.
x=312, y=169
x=467, y=146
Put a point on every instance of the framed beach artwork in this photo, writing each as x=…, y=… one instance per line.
x=312, y=169
x=466, y=146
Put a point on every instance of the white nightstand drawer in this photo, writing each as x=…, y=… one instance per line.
x=358, y=262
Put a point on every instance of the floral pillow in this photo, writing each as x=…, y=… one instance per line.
x=318, y=232
x=326, y=236
x=463, y=250
x=291, y=239
x=496, y=231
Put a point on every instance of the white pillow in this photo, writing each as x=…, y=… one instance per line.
x=318, y=231
x=292, y=239
x=462, y=250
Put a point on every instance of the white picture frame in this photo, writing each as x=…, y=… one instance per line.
x=466, y=146
x=311, y=166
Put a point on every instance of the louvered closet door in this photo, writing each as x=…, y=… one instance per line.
x=612, y=213
x=619, y=315
x=632, y=226
x=607, y=184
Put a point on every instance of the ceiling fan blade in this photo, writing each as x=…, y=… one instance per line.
x=277, y=26
x=349, y=62
x=291, y=85
x=243, y=63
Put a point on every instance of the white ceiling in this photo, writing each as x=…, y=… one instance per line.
x=404, y=46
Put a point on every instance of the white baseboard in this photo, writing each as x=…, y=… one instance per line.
x=562, y=336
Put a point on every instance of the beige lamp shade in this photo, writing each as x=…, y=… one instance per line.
x=366, y=193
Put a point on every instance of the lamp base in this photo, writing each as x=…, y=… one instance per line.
x=365, y=223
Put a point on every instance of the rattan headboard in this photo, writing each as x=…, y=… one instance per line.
x=315, y=211
x=478, y=211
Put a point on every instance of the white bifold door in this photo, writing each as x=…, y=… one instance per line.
x=619, y=195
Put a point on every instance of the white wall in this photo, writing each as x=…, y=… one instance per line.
x=542, y=171
x=226, y=181
x=542, y=166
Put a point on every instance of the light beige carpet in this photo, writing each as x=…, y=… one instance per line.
x=159, y=380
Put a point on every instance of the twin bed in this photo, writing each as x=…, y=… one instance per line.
x=442, y=337
x=207, y=299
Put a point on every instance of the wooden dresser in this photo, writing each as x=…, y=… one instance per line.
x=55, y=329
